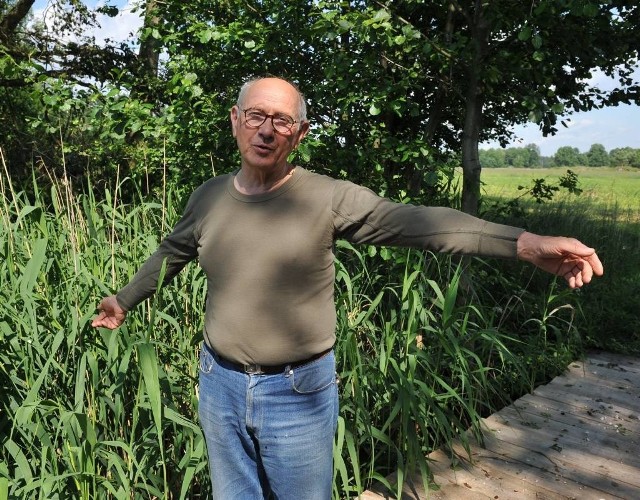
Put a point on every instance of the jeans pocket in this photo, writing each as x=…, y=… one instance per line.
x=314, y=377
x=206, y=360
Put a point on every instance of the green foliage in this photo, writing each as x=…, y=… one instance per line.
x=605, y=216
x=597, y=156
x=539, y=190
x=388, y=85
x=567, y=156
x=624, y=157
x=90, y=414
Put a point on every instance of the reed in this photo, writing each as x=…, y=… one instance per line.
x=102, y=414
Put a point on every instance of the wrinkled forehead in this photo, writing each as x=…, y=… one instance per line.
x=272, y=94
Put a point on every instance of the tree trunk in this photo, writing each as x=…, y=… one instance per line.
x=414, y=184
x=471, y=167
x=149, y=53
x=12, y=19
x=474, y=102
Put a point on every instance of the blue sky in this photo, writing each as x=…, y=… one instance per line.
x=612, y=127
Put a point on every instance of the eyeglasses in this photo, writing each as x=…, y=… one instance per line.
x=254, y=118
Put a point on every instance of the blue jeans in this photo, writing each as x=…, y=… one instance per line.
x=269, y=436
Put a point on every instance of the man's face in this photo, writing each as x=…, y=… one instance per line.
x=262, y=147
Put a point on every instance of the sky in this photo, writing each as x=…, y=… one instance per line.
x=612, y=127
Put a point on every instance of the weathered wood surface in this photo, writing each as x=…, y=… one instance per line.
x=577, y=437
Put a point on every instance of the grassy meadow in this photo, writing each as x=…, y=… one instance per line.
x=606, y=216
x=427, y=344
x=604, y=188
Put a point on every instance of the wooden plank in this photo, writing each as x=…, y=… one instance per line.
x=562, y=449
x=603, y=373
x=576, y=437
x=601, y=392
x=482, y=478
x=413, y=492
x=529, y=474
x=571, y=466
x=578, y=376
x=604, y=402
x=559, y=474
x=616, y=361
x=617, y=418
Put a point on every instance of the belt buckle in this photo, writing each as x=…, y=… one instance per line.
x=252, y=369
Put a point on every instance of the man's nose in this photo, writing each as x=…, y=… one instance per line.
x=266, y=129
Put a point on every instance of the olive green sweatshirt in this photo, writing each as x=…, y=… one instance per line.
x=269, y=258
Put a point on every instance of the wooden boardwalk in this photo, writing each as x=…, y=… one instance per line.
x=577, y=437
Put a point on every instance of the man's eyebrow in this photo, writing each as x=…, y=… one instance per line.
x=279, y=114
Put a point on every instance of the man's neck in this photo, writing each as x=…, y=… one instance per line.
x=251, y=182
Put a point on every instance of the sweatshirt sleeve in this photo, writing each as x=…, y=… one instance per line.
x=361, y=216
x=177, y=249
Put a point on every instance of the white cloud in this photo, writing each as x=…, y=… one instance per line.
x=119, y=28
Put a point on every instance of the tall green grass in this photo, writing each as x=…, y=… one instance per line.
x=426, y=346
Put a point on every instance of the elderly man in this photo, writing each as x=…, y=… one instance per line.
x=264, y=237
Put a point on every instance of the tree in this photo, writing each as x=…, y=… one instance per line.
x=42, y=71
x=567, y=156
x=492, y=158
x=624, y=157
x=522, y=55
x=534, y=159
x=516, y=157
x=397, y=89
x=597, y=156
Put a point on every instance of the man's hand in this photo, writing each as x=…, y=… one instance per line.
x=565, y=257
x=111, y=314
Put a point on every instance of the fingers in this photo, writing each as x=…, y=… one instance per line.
x=105, y=321
x=596, y=265
x=110, y=314
x=581, y=273
x=574, y=277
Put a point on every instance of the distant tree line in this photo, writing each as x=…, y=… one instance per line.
x=566, y=156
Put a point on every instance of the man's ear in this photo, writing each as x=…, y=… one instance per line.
x=304, y=130
x=234, y=119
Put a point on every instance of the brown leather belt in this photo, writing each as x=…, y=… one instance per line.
x=256, y=369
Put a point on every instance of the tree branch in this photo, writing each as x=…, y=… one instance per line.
x=14, y=17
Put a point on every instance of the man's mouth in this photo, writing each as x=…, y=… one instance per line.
x=262, y=148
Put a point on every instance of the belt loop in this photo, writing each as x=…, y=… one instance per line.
x=288, y=371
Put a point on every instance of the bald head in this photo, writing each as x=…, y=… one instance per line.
x=276, y=85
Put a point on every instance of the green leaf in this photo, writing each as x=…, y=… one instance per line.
x=205, y=36
x=525, y=33
x=374, y=110
x=536, y=41
x=381, y=16
x=189, y=78
x=33, y=267
x=590, y=10
x=250, y=44
x=150, y=375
